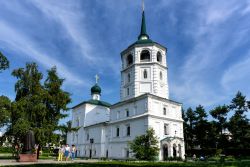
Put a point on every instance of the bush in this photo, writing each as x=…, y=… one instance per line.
x=6, y=149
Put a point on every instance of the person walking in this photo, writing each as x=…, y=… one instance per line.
x=60, y=153
x=67, y=152
x=73, y=152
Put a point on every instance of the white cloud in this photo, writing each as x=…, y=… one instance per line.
x=72, y=18
x=237, y=76
x=20, y=42
x=213, y=46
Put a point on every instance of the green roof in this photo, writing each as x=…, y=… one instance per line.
x=96, y=89
x=143, y=37
x=143, y=28
x=98, y=102
x=95, y=102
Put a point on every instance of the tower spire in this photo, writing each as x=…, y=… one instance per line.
x=143, y=35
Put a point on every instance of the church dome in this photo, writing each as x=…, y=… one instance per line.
x=96, y=89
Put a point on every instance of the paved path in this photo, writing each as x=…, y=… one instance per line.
x=47, y=161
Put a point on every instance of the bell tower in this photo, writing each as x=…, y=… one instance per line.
x=144, y=67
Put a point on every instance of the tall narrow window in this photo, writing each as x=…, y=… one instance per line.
x=166, y=132
x=118, y=115
x=164, y=111
x=78, y=122
x=160, y=75
x=129, y=60
x=117, y=132
x=159, y=57
x=127, y=153
x=87, y=138
x=128, y=130
x=145, y=74
x=127, y=113
x=128, y=77
x=127, y=91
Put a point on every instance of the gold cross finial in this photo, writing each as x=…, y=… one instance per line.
x=96, y=78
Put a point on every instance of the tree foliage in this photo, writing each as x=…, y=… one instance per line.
x=4, y=63
x=222, y=132
x=5, y=105
x=238, y=123
x=145, y=147
x=37, y=106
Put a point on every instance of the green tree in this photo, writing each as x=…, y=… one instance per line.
x=65, y=129
x=4, y=63
x=201, y=128
x=189, y=120
x=5, y=108
x=238, y=123
x=145, y=147
x=37, y=107
x=220, y=114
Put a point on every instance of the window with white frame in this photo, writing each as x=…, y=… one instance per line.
x=117, y=131
x=118, y=115
x=160, y=75
x=127, y=113
x=129, y=78
x=128, y=130
x=166, y=129
x=127, y=91
x=164, y=111
x=145, y=74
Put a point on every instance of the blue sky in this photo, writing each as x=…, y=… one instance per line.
x=208, y=44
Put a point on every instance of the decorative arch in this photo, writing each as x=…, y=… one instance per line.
x=159, y=57
x=129, y=60
x=145, y=56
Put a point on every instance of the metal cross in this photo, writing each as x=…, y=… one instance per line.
x=96, y=78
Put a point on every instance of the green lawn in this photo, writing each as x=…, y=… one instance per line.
x=150, y=164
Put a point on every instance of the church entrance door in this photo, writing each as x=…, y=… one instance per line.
x=174, y=151
x=165, y=152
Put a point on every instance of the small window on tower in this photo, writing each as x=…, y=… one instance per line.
x=145, y=74
x=128, y=77
x=160, y=75
x=164, y=111
x=145, y=56
x=129, y=60
x=159, y=57
x=127, y=91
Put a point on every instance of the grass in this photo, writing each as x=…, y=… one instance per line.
x=148, y=164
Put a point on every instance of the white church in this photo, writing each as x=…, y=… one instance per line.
x=106, y=129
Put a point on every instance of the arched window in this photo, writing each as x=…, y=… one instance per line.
x=159, y=57
x=145, y=56
x=164, y=111
x=128, y=77
x=145, y=74
x=129, y=60
x=160, y=75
